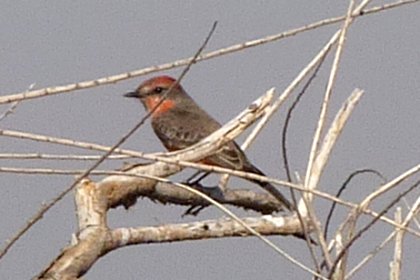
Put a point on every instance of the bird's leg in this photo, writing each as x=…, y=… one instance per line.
x=193, y=176
x=192, y=182
x=213, y=192
x=194, y=210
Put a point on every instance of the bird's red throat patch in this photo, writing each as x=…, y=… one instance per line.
x=152, y=101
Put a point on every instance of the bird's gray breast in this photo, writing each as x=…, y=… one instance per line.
x=181, y=129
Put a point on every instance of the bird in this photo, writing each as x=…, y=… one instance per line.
x=180, y=122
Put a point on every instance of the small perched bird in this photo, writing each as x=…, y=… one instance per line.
x=179, y=122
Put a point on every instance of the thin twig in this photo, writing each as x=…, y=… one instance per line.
x=286, y=161
x=391, y=184
x=13, y=106
x=9, y=110
x=410, y=208
x=342, y=188
x=24, y=156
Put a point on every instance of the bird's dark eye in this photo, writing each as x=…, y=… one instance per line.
x=158, y=89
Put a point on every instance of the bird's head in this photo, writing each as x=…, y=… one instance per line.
x=151, y=92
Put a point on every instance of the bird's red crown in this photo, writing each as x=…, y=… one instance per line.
x=164, y=81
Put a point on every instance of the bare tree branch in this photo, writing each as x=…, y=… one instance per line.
x=395, y=265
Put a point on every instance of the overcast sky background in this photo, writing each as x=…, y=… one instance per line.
x=60, y=42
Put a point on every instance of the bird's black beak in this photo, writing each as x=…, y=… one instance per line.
x=131, y=94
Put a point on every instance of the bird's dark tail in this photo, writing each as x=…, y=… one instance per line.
x=276, y=193
x=270, y=188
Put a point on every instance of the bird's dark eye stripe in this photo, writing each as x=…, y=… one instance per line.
x=158, y=89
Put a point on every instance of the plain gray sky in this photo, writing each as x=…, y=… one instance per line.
x=59, y=42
